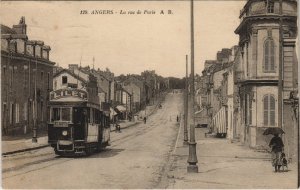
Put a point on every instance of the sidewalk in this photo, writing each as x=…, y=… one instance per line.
x=226, y=165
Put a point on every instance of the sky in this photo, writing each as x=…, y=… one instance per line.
x=128, y=43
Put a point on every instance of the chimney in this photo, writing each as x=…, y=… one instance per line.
x=73, y=67
x=21, y=28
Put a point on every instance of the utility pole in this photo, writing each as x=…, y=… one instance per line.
x=192, y=160
x=186, y=102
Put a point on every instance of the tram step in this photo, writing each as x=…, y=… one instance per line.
x=79, y=146
x=81, y=152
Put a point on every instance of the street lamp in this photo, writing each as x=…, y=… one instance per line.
x=186, y=102
x=192, y=160
x=34, y=130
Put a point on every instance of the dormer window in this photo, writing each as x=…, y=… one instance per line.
x=270, y=6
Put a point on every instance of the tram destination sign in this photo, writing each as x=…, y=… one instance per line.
x=64, y=93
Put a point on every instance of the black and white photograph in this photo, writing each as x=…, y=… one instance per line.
x=158, y=94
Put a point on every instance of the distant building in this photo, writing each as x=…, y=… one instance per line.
x=138, y=92
x=26, y=80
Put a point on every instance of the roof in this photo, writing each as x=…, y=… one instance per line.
x=70, y=73
x=135, y=81
x=96, y=73
x=7, y=30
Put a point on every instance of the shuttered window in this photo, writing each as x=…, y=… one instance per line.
x=17, y=118
x=269, y=57
x=269, y=110
x=272, y=111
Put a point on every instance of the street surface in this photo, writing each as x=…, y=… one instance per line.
x=137, y=158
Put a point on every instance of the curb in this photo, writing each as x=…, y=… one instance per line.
x=25, y=150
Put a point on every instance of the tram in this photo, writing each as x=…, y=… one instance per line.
x=76, y=125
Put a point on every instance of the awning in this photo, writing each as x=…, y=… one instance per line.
x=121, y=108
x=113, y=112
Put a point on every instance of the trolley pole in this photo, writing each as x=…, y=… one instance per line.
x=192, y=160
x=186, y=102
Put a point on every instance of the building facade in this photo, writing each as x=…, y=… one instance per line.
x=26, y=80
x=263, y=45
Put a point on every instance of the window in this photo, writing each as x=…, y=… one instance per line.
x=65, y=114
x=270, y=6
x=269, y=61
x=55, y=84
x=64, y=80
x=55, y=116
x=246, y=110
x=11, y=113
x=250, y=111
x=17, y=119
x=42, y=111
x=48, y=81
x=4, y=71
x=269, y=110
x=11, y=76
x=25, y=108
x=42, y=75
x=61, y=114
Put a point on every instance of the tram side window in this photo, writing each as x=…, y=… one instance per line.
x=78, y=115
x=97, y=116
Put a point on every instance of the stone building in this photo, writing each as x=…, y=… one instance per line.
x=26, y=80
x=262, y=47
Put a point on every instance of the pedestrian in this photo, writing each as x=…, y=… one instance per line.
x=177, y=118
x=145, y=119
x=277, y=147
x=118, y=128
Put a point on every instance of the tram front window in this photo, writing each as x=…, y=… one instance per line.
x=61, y=114
x=65, y=114
x=55, y=114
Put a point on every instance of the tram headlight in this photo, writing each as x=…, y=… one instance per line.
x=65, y=133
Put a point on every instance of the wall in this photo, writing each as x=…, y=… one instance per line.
x=261, y=37
x=57, y=81
x=18, y=78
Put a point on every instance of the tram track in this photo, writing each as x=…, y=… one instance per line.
x=49, y=158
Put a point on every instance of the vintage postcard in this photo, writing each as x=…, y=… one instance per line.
x=185, y=94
